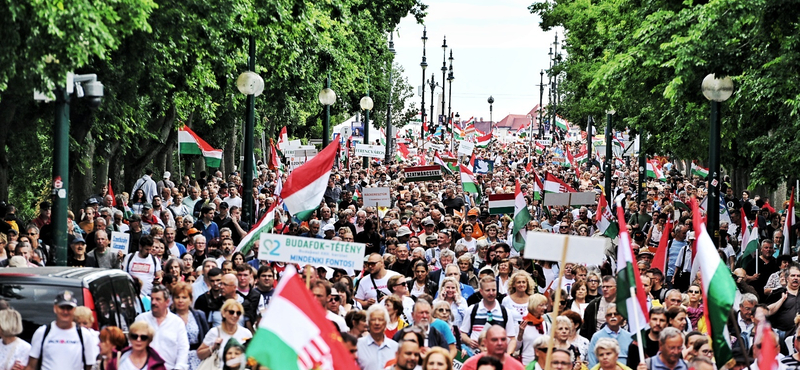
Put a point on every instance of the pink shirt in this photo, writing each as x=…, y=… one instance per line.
x=509, y=363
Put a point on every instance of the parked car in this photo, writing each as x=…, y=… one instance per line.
x=111, y=294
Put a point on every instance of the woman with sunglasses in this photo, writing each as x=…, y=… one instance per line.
x=217, y=337
x=695, y=307
x=139, y=355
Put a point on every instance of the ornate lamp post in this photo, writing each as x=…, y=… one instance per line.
x=717, y=90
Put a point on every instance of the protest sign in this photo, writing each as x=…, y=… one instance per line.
x=313, y=251
x=120, y=241
x=377, y=196
x=570, y=199
x=374, y=151
x=483, y=166
x=423, y=173
x=465, y=147
x=550, y=247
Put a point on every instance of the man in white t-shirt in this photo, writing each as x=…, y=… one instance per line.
x=62, y=344
x=375, y=279
x=142, y=264
x=170, y=341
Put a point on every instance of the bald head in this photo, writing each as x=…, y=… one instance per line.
x=496, y=341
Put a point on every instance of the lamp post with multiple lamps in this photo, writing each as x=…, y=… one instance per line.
x=252, y=85
x=433, y=85
x=450, y=79
x=717, y=90
x=423, y=65
x=490, y=101
x=327, y=97
x=444, y=78
x=541, y=108
x=389, y=135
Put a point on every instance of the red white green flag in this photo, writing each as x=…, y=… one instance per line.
x=717, y=287
x=283, y=140
x=553, y=184
x=631, y=301
x=190, y=143
x=295, y=335
x=467, y=180
x=305, y=186
x=483, y=141
x=699, y=171
x=264, y=225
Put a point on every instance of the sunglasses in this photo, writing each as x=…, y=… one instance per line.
x=235, y=313
x=443, y=310
x=141, y=337
x=371, y=263
x=334, y=298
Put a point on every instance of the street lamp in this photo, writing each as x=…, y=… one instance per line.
x=444, y=78
x=716, y=90
x=541, y=95
x=450, y=79
x=327, y=97
x=490, y=101
x=424, y=65
x=389, y=135
x=251, y=84
x=82, y=86
x=366, y=104
x=433, y=86
x=609, y=160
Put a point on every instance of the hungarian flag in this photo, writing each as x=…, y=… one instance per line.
x=654, y=171
x=751, y=244
x=603, y=219
x=767, y=357
x=356, y=194
x=484, y=140
x=111, y=193
x=283, y=140
x=699, y=171
x=537, y=185
x=538, y=148
x=501, y=204
x=571, y=162
x=631, y=301
x=553, y=184
x=787, y=226
x=469, y=121
x=190, y=143
x=717, y=288
x=467, y=180
x=264, y=225
x=521, y=218
x=583, y=156
x=295, y=335
x=305, y=186
x=438, y=160
x=402, y=152
x=660, y=259
x=274, y=163
x=562, y=123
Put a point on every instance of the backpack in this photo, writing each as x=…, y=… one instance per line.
x=130, y=259
x=41, y=347
x=475, y=313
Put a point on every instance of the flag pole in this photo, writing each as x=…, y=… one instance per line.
x=739, y=338
x=639, y=343
x=557, y=301
x=180, y=176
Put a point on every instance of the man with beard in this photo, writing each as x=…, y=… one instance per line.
x=407, y=355
x=658, y=321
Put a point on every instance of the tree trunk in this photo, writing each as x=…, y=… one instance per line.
x=7, y=111
x=82, y=176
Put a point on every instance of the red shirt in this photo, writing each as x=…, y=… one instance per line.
x=509, y=363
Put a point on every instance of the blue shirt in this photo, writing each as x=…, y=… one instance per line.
x=673, y=253
x=372, y=356
x=623, y=337
x=657, y=364
x=210, y=232
x=445, y=329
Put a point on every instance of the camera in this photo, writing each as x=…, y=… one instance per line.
x=93, y=91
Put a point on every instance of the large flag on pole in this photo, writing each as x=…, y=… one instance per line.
x=305, y=186
x=604, y=221
x=483, y=141
x=467, y=180
x=787, y=226
x=264, y=225
x=750, y=240
x=717, y=288
x=699, y=171
x=521, y=218
x=295, y=335
x=437, y=159
x=553, y=184
x=631, y=301
x=283, y=140
x=537, y=185
x=190, y=143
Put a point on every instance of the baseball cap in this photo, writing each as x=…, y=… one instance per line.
x=66, y=298
x=427, y=222
x=147, y=206
x=328, y=227
x=473, y=212
x=135, y=218
x=167, y=174
x=92, y=201
x=77, y=240
x=192, y=231
x=403, y=231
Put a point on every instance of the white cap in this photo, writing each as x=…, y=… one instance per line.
x=166, y=174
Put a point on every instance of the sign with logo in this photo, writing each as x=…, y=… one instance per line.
x=465, y=147
x=120, y=241
x=377, y=196
x=373, y=151
x=423, y=173
x=313, y=251
x=483, y=166
x=544, y=142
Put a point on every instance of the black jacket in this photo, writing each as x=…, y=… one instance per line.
x=590, y=318
x=436, y=275
x=430, y=287
x=250, y=305
x=435, y=338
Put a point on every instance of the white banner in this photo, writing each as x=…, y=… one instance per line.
x=465, y=148
x=311, y=251
x=120, y=241
x=377, y=196
x=374, y=151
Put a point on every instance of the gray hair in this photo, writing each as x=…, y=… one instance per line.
x=607, y=344
x=313, y=223
x=418, y=249
x=542, y=341
x=750, y=298
x=380, y=309
x=669, y=333
x=611, y=306
x=119, y=213
x=461, y=247
x=188, y=218
x=108, y=210
x=448, y=253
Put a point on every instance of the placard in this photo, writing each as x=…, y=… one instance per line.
x=547, y=246
x=373, y=151
x=423, y=173
x=377, y=196
x=483, y=166
x=465, y=147
x=570, y=199
x=120, y=241
x=544, y=142
x=311, y=251
x=432, y=146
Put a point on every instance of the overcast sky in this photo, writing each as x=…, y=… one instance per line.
x=498, y=50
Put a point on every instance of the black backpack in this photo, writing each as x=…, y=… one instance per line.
x=130, y=259
x=475, y=313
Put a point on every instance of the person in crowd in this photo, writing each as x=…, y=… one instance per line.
x=218, y=337
x=373, y=285
x=140, y=354
x=564, y=328
x=451, y=293
x=394, y=306
x=375, y=349
x=142, y=264
x=14, y=352
x=210, y=302
x=782, y=312
x=356, y=320
x=322, y=289
x=436, y=332
x=398, y=286
x=259, y=296
x=169, y=337
x=578, y=295
x=575, y=339
x=670, y=343
x=595, y=314
x=606, y=350
x=695, y=307
x=612, y=330
x=658, y=321
x=487, y=312
x=407, y=356
x=520, y=288
x=195, y=321
x=437, y=359
x=62, y=344
x=112, y=341
x=497, y=344
x=677, y=318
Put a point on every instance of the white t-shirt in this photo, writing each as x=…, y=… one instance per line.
x=142, y=268
x=241, y=335
x=62, y=348
x=126, y=364
x=21, y=350
x=233, y=202
x=366, y=289
x=471, y=245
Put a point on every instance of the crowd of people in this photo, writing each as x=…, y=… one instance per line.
x=441, y=282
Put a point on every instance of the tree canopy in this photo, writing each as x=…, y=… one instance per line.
x=646, y=60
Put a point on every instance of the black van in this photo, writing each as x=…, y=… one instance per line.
x=111, y=294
